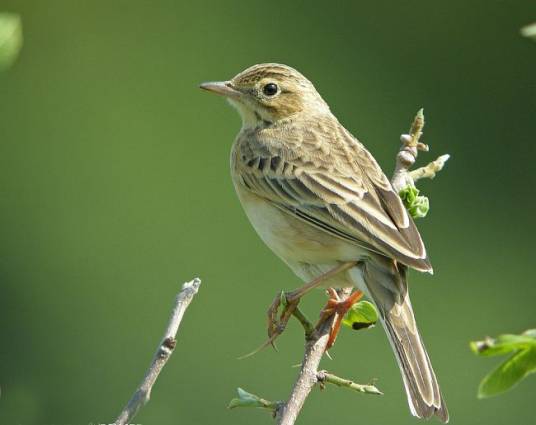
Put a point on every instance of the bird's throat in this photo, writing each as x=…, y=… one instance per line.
x=250, y=117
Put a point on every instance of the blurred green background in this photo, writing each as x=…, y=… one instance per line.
x=115, y=189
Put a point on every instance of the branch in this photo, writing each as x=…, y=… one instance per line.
x=430, y=170
x=163, y=353
x=315, y=346
x=407, y=155
x=323, y=376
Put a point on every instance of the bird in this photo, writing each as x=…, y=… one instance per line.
x=318, y=199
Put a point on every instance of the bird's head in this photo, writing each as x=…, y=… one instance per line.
x=269, y=92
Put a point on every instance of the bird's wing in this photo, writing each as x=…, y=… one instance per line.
x=327, y=178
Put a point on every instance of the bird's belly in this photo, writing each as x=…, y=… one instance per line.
x=307, y=250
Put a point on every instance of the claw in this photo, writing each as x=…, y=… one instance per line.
x=289, y=301
x=272, y=314
x=335, y=306
x=269, y=341
x=276, y=325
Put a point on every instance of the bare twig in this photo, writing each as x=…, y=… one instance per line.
x=163, y=353
x=316, y=340
x=307, y=378
x=429, y=171
x=315, y=346
x=407, y=155
x=324, y=376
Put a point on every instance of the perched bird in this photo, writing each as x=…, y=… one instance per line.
x=318, y=198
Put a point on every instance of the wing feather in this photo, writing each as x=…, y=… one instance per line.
x=335, y=185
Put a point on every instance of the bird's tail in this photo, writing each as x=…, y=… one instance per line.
x=388, y=290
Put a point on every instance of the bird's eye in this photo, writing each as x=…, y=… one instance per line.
x=270, y=89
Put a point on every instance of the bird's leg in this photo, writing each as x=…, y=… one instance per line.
x=338, y=307
x=290, y=301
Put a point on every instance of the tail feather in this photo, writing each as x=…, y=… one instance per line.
x=388, y=289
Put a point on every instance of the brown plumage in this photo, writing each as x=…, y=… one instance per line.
x=317, y=197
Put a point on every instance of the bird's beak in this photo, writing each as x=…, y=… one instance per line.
x=223, y=88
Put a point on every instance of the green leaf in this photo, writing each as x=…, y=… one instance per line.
x=362, y=315
x=531, y=333
x=509, y=373
x=529, y=31
x=417, y=206
x=10, y=39
x=246, y=399
x=503, y=344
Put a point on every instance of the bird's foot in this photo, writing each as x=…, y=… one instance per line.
x=277, y=322
x=289, y=302
x=339, y=308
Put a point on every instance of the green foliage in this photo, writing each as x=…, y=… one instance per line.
x=362, y=315
x=10, y=39
x=416, y=205
x=246, y=399
x=521, y=363
x=529, y=31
